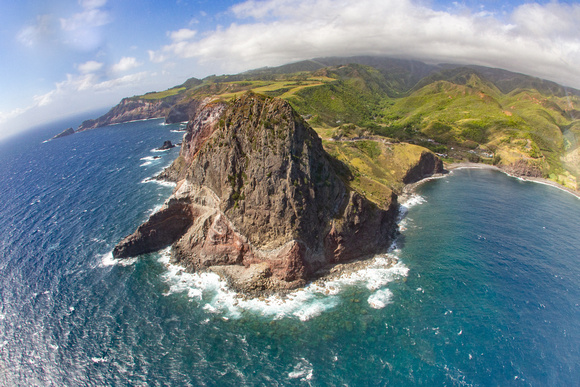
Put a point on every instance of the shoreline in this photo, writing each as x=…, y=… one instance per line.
x=409, y=189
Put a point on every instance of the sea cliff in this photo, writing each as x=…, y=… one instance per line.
x=260, y=202
x=129, y=109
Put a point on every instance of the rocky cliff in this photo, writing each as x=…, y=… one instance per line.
x=259, y=201
x=428, y=165
x=129, y=109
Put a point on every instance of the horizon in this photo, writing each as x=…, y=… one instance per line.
x=68, y=58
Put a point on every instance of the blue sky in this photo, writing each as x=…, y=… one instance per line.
x=62, y=57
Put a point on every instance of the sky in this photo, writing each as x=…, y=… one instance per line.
x=64, y=57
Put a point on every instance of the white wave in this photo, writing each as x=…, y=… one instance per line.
x=159, y=150
x=413, y=200
x=146, y=163
x=302, y=370
x=380, y=298
x=98, y=359
x=178, y=131
x=160, y=182
x=154, y=209
x=108, y=260
x=149, y=158
x=376, y=275
x=214, y=296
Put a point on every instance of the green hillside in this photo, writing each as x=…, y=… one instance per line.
x=462, y=113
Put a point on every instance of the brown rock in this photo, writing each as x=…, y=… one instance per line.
x=265, y=207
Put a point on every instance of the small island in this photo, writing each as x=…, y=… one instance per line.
x=64, y=133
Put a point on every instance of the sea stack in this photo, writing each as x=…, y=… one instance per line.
x=260, y=202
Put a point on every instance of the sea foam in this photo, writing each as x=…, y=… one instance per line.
x=108, y=260
x=212, y=294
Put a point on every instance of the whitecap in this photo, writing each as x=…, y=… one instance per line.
x=302, y=370
x=108, y=260
x=155, y=209
x=160, y=182
x=413, y=200
x=380, y=298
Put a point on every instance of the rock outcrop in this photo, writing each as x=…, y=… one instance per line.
x=428, y=165
x=259, y=201
x=183, y=111
x=524, y=168
x=166, y=145
x=64, y=133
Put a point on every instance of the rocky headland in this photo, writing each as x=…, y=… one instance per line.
x=64, y=133
x=260, y=202
x=129, y=109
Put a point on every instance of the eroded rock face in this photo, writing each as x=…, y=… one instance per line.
x=127, y=110
x=523, y=168
x=428, y=165
x=265, y=205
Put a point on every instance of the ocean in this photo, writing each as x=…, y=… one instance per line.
x=486, y=290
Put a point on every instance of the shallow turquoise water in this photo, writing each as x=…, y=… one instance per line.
x=486, y=291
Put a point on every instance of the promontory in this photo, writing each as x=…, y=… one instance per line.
x=259, y=201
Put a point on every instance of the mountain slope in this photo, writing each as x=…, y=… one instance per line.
x=470, y=113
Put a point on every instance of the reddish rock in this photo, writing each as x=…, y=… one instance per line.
x=260, y=202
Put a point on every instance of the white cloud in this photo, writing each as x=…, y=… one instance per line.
x=126, y=64
x=552, y=21
x=4, y=117
x=156, y=57
x=90, y=67
x=541, y=40
x=83, y=30
x=127, y=80
x=86, y=19
x=182, y=34
x=92, y=4
x=40, y=32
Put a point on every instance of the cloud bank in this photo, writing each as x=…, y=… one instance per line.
x=541, y=40
x=537, y=39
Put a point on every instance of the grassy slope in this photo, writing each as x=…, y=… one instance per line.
x=376, y=167
x=457, y=112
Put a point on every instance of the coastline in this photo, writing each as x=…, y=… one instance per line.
x=410, y=188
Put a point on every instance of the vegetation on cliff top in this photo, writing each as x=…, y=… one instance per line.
x=469, y=113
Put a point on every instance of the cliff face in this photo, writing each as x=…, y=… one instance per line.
x=259, y=201
x=428, y=165
x=129, y=110
x=182, y=111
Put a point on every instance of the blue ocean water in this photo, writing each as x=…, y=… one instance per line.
x=486, y=291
